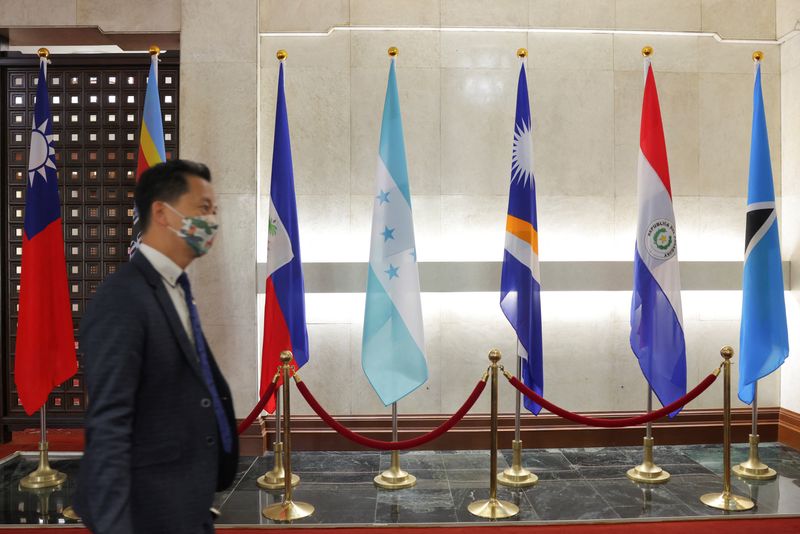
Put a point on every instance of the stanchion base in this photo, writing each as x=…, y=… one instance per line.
x=69, y=513
x=493, y=509
x=46, y=477
x=729, y=502
x=395, y=479
x=274, y=481
x=754, y=472
x=648, y=474
x=517, y=477
x=288, y=511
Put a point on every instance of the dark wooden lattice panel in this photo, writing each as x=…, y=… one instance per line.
x=96, y=113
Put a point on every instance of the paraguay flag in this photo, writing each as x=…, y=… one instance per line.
x=151, y=142
x=285, y=307
x=521, y=278
x=45, y=349
x=656, y=319
x=764, y=337
x=393, y=348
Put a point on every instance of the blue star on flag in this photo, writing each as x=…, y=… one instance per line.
x=383, y=196
x=388, y=233
x=392, y=271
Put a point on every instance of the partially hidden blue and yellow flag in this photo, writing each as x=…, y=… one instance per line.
x=151, y=142
x=393, y=347
x=520, y=283
x=763, y=337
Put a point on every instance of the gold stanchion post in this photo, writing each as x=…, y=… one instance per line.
x=727, y=500
x=288, y=510
x=493, y=508
x=69, y=513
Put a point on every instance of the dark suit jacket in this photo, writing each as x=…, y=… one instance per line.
x=153, y=454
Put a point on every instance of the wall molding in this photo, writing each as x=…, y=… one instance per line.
x=545, y=431
x=460, y=276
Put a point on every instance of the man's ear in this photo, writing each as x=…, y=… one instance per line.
x=158, y=214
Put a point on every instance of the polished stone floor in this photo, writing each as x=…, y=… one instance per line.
x=575, y=484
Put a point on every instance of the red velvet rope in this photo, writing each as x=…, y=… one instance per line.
x=612, y=423
x=390, y=445
x=244, y=425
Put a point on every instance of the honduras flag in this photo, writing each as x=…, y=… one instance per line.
x=763, y=338
x=656, y=319
x=393, y=348
x=520, y=281
x=285, y=306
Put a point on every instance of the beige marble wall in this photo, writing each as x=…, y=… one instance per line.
x=218, y=127
x=109, y=15
x=457, y=92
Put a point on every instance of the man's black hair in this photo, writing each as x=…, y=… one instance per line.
x=165, y=182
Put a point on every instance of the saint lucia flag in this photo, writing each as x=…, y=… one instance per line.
x=764, y=338
x=656, y=319
x=520, y=282
x=392, y=353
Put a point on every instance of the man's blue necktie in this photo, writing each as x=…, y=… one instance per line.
x=205, y=366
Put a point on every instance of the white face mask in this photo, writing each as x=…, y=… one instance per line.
x=198, y=232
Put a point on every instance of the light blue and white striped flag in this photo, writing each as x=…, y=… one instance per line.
x=393, y=348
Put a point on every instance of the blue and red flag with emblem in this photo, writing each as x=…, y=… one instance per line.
x=45, y=349
x=285, y=307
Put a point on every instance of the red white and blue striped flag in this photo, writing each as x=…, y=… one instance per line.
x=656, y=319
x=45, y=349
x=285, y=309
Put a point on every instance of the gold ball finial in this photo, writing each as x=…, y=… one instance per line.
x=647, y=51
x=43, y=52
x=286, y=357
x=154, y=50
x=758, y=55
x=522, y=53
x=494, y=355
x=281, y=54
x=393, y=51
x=726, y=352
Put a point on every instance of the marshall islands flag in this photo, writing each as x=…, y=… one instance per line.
x=393, y=348
x=656, y=319
x=285, y=307
x=521, y=278
x=764, y=337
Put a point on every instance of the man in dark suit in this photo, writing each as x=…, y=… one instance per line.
x=160, y=428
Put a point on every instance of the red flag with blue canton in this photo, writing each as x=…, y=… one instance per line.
x=285, y=306
x=45, y=350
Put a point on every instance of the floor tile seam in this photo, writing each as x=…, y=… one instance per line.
x=241, y=479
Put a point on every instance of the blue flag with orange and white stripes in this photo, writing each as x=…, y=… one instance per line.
x=521, y=278
x=763, y=337
x=657, y=337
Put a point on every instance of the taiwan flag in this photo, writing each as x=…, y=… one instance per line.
x=285, y=308
x=45, y=350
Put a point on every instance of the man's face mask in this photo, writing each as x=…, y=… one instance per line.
x=198, y=232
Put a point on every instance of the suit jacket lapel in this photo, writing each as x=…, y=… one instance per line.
x=164, y=300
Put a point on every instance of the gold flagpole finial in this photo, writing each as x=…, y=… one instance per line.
x=154, y=50
x=281, y=54
x=43, y=52
x=522, y=53
x=647, y=51
x=393, y=51
x=758, y=55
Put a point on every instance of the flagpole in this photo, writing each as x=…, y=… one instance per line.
x=275, y=478
x=517, y=476
x=395, y=478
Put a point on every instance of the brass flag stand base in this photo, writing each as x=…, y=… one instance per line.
x=44, y=476
x=727, y=500
x=288, y=510
x=753, y=468
x=493, y=508
x=395, y=478
x=648, y=472
x=273, y=479
x=517, y=476
x=69, y=513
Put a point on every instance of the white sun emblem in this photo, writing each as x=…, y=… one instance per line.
x=42, y=152
x=522, y=155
